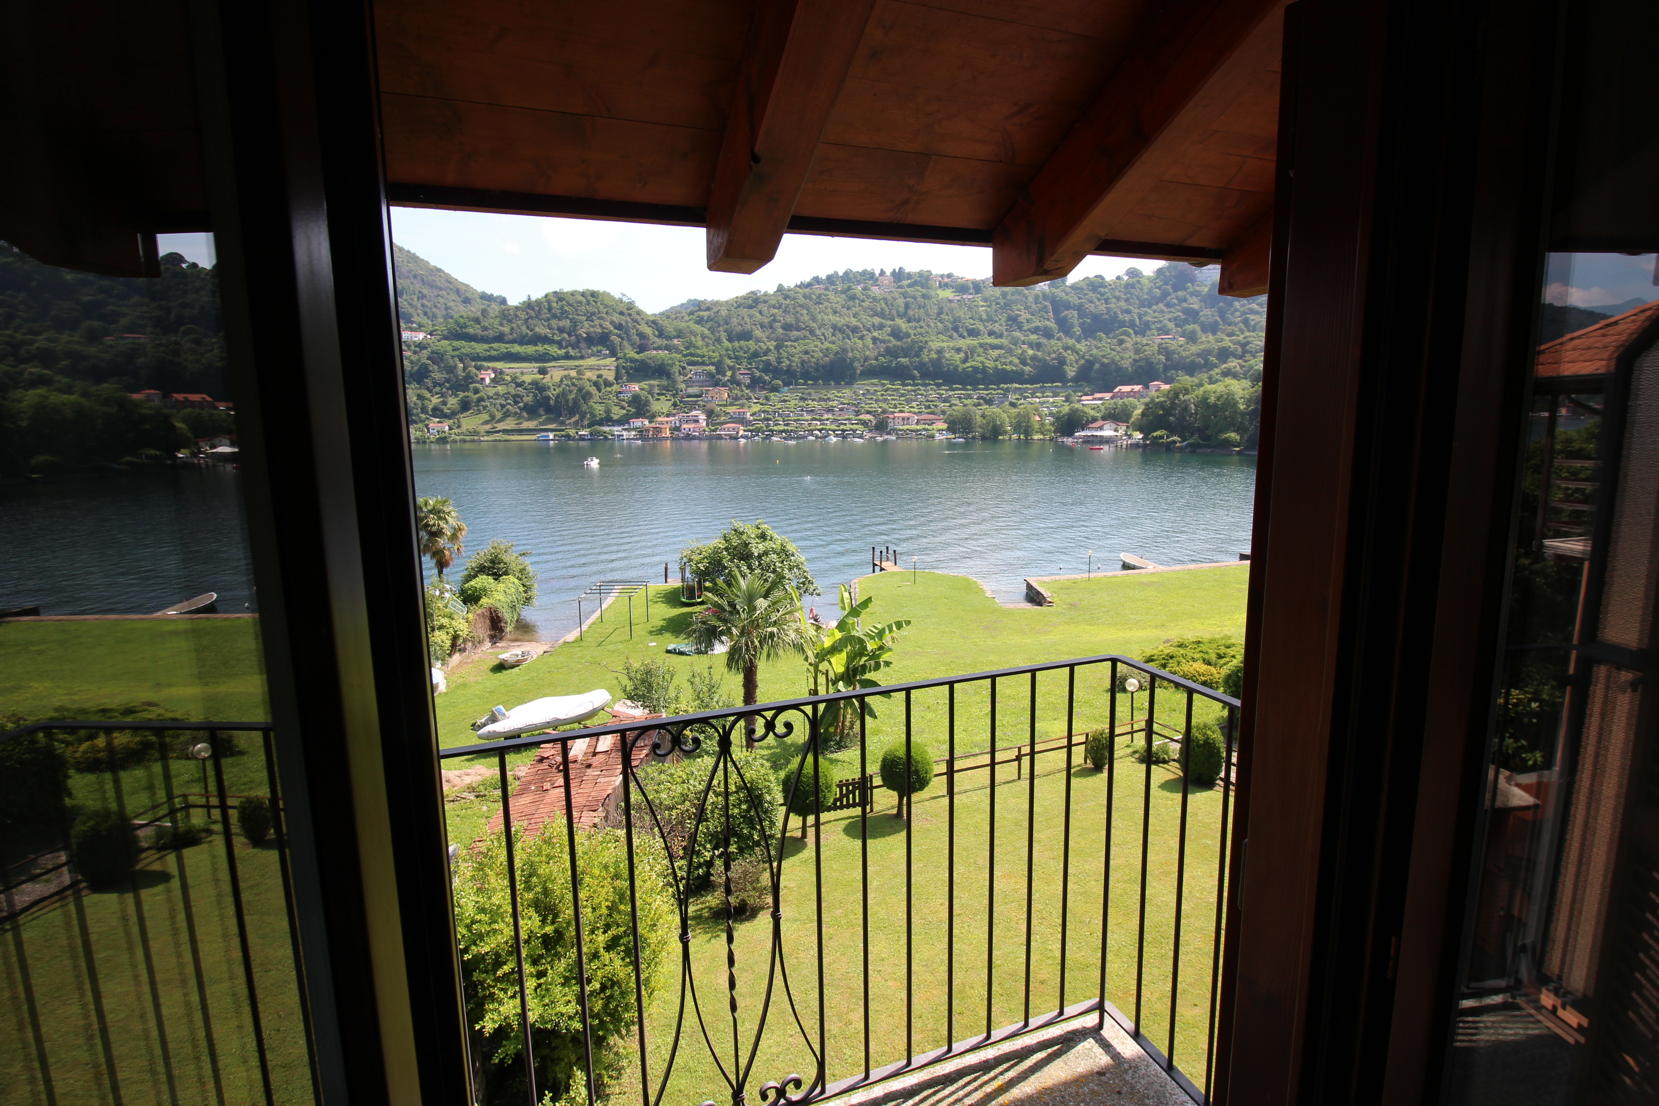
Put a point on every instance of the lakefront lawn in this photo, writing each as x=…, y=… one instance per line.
x=956, y=629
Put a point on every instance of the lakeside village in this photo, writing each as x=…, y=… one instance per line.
x=868, y=413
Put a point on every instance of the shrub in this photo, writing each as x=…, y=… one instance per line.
x=1202, y=660
x=112, y=752
x=500, y=560
x=905, y=779
x=253, y=818
x=805, y=799
x=447, y=624
x=103, y=846
x=1232, y=679
x=751, y=886
x=650, y=683
x=34, y=781
x=1153, y=752
x=179, y=836
x=1204, y=755
x=1205, y=675
x=504, y=595
x=673, y=792
x=482, y=900
x=706, y=690
x=1230, y=440
x=1097, y=749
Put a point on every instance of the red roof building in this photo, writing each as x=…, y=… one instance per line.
x=1595, y=349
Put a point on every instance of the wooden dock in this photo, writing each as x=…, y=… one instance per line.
x=884, y=558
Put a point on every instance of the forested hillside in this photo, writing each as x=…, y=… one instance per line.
x=427, y=295
x=1096, y=333
x=73, y=345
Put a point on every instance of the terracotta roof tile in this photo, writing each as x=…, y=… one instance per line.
x=595, y=778
x=1595, y=349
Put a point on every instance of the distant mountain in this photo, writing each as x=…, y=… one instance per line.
x=1556, y=320
x=427, y=296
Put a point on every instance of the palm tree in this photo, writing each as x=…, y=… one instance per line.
x=758, y=616
x=440, y=529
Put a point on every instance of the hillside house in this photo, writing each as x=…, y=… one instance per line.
x=437, y=428
x=194, y=401
x=739, y=415
x=901, y=418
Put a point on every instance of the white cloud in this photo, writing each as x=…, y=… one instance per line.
x=1563, y=294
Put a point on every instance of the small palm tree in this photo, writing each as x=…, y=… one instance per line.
x=759, y=617
x=440, y=529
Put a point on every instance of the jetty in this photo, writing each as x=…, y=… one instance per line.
x=884, y=559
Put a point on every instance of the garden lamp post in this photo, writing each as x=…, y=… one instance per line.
x=201, y=751
x=1131, y=685
x=913, y=570
x=1091, y=564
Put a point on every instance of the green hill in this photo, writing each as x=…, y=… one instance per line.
x=427, y=296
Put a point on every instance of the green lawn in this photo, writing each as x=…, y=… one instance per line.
x=200, y=669
x=209, y=1046
x=957, y=629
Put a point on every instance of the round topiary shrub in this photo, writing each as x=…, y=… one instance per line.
x=906, y=779
x=1156, y=751
x=804, y=799
x=1098, y=749
x=253, y=818
x=1205, y=753
x=103, y=846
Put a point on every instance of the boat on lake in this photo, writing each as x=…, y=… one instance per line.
x=591, y=463
x=205, y=603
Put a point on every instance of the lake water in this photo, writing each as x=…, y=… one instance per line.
x=132, y=543
x=996, y=511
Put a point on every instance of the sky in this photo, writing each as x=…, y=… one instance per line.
x=522, y=256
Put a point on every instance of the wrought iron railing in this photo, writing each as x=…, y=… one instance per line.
x=1013, y=904
x=164, y=968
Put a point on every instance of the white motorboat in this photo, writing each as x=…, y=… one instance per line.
x=591, y=463
x=544, y=714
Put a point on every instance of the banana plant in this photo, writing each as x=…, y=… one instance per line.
x=845, y=656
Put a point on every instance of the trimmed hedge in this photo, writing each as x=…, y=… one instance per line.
x=805, y=800
x=253, y=818
x=1097, y=749
x=1204, y=755
x=902, y=779
x=103, y=846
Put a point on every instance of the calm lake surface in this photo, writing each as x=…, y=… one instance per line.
x=996, y=511
x=134, y=542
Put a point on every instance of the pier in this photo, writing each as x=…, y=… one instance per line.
x=884, y=558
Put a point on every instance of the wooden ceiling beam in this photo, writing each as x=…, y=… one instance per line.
x=1247, y=263
x=799, y=55
x=1055, y=221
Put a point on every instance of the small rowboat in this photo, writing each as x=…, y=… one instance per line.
x=517, y=657
x=544, y=714
x=201, y=604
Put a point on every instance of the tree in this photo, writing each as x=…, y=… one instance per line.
x=905, y=773
x=759, y=617
x=750, y=550
x=611, y=925
x=1070, y=420
x=962, y=422
x=501, y=560
x=440, y=529
x=846, y=657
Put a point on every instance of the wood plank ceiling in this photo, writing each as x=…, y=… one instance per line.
x=1050, y=129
